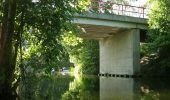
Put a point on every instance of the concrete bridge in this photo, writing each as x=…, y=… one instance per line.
x=119, y=39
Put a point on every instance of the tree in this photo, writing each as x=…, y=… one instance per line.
x=47, y=17
x=6, y=53
x=159, y=37
x=83, y=53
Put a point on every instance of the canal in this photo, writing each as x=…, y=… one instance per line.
x=66, y=87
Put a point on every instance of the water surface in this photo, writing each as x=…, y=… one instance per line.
x=65, y=87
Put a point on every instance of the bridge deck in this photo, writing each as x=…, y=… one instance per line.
x=97, y=26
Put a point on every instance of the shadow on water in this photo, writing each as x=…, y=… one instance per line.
x=94, y=88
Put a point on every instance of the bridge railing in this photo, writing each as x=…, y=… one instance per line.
x=99, y=6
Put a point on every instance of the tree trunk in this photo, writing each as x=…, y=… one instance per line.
x=6, y=64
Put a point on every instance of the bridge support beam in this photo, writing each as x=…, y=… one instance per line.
x=119, y=53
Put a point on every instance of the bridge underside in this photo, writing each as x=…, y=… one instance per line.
x=98, y=32
x=119, y=48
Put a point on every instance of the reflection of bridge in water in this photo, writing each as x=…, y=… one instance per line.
x=118, y=35
x=118, y=89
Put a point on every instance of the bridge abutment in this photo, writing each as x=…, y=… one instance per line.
x=119, y=53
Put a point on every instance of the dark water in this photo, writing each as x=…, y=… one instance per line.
x=94, y=88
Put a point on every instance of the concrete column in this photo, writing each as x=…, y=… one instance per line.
x=119, y=54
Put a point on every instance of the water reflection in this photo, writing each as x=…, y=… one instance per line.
x=118, y=88
x=155, y=89
x=93, y=88
x=44, y=87
x=134, y=89
x=83, y=88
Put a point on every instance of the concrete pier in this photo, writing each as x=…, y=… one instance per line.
x=119, y=54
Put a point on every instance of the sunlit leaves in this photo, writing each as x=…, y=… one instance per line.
x=159, y=37
x=83, y=53
x=159, y=18
x=45, y=20
x=159, y=22
x=83, y=4
x=71, y=39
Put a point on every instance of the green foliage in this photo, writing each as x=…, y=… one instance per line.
x=159, y=24
x=83, y=53
x=90, y=57
x=32, y=36
x=159, y=37
x=83, y=5
x=43, y=23
x=37, y=57
x=144, y=49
